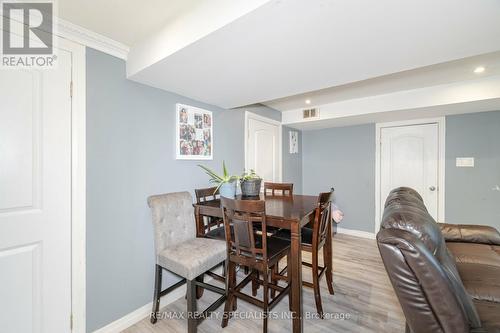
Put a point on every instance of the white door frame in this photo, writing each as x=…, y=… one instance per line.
x=78, y=184
x=441, y=122
x=251, y=115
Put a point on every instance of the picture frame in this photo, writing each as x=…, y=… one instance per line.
x=294, y=142
x=194, y=133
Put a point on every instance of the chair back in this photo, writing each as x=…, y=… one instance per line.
x=322, y=218
x=206, y=194
x=278, y=189
x=173, y=219
x=243, y=244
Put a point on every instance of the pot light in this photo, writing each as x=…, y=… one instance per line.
x=308, y=101
x=479, y=70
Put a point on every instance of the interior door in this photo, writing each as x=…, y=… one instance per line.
x=263, y=148
x=35, y=194
x=409, y=157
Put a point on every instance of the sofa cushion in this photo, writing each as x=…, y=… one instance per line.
x=481, y=281
x=475, y=253
x=470, y=233
x=490, y=315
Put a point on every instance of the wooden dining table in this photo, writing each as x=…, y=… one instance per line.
x=291, y=213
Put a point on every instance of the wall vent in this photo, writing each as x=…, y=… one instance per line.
x=310, y=113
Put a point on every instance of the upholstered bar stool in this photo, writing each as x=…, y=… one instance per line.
x=180, y=252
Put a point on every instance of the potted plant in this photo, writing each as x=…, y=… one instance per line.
x=250, y=184
x=226, y=184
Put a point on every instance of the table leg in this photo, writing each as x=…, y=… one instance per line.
x=328, y=257
x=296, y=274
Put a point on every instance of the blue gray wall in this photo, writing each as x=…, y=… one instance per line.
x=292, y=163
x=471, y=194
x=130, y=155
x=343, y=158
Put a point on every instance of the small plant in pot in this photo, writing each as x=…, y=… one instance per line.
x=226, y=184
x=250, y=184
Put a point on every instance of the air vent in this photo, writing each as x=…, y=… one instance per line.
x=310, y=113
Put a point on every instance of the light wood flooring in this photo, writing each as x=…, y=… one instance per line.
x=363, y=295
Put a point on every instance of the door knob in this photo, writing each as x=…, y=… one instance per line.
x=432, y=188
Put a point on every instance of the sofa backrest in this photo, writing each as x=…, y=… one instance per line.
x=409, y=191
x=421, y=269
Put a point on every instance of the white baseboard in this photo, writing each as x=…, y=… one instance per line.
x=141, y=313
x=357, y=233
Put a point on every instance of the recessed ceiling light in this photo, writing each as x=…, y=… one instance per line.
x=479, y=70
x=308, y=101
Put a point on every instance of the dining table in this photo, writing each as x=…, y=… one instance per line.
x=285, y=212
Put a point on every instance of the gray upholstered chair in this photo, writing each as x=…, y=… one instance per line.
x=180, y=252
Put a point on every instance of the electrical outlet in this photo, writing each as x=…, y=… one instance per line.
x=465, y=162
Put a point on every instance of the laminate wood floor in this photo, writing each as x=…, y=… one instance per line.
x=364, y=300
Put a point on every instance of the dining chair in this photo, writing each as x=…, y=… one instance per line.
x=179, y=251
x=257, y=251
x=284, y=190
x=311, y=223
x=212, y=227
x=313, y=240
x=278, y=189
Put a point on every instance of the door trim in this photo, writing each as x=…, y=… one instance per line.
x=441, y=122
x=78, y=184
x=251, y=115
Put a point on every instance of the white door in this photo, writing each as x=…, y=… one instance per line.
x=35, y=194
x=409, y=156
x=263, y=152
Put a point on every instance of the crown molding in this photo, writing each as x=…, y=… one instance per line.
x=91, y=39
x=86, y=37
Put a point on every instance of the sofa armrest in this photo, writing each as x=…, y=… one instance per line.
x=469, y=233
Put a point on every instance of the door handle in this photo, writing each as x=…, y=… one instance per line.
x=432, y=188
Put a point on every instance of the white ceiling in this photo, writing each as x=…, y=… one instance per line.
x=284, y=48
x=126, y=21
x=453, y=71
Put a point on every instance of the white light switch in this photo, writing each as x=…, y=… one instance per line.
x=465, y=162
